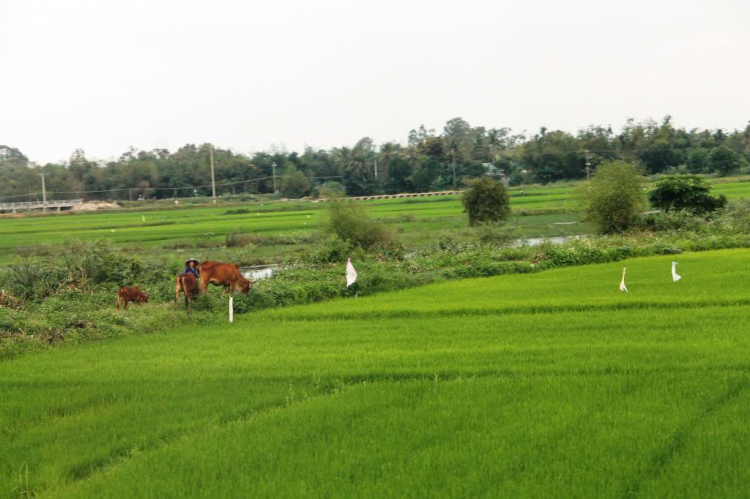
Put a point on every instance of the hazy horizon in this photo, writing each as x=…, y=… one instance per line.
x=250, y=75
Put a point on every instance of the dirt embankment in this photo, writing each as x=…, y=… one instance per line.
x=94, y=206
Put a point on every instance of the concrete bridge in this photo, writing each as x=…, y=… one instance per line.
x=62, y=205
x=398, y=196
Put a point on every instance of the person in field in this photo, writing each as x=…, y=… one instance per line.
x=191, y=267
x=187, y=283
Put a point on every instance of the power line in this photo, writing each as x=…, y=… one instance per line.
x=164, y=188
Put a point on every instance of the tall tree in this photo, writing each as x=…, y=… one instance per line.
x=458, y=144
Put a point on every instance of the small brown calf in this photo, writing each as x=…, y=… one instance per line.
x=128, y=294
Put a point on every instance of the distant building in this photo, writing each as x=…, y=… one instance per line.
x=493, y=171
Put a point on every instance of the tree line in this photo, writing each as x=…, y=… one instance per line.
x=428, y=160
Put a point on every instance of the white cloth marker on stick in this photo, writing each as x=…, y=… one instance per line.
x=675, y=277
x=231, y=309
x=622, y=283
x=351, y=274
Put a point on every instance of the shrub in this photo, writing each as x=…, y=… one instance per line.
x=724, y=161
x=294, y=184
x=493, y=234
x=330, y=189
x=486, y=200
x=31, y=279
x=738, y=216
x=682, y=220
x=685, y=193
x=354, y=226
x=614, y=197
x=237, y=239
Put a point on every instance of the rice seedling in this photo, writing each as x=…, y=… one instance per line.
x=548, y=384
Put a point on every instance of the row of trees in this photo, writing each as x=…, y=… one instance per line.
x=427, y=161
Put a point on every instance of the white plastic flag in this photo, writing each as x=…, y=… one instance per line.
x=143, y=217
x=675, y=277
x=231, y=309
x=622, y=283
x=351, y=274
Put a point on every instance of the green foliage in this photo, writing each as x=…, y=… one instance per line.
x=685, y=193
x=330, y=190
x=675, y=220
x=430, y=161
x=737, y=218
x=724, y=161
x=31, y=279
x=351, y=223
x=294, y=184
x=495, y=234
x=614, y=197
x=485, y=200
x=697, y=161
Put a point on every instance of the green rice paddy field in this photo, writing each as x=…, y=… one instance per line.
x=553, y=384
x=539, y=212
x=213, y=223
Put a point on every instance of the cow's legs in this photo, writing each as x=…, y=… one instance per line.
x=118, y=303
x=125, y=301
x=176, y=293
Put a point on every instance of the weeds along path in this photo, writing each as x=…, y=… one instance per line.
x=600, y=400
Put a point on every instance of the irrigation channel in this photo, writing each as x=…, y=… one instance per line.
x=260, y=272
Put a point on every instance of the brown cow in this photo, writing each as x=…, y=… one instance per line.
x=133, y=294
x=187, y=284
x=223, y=274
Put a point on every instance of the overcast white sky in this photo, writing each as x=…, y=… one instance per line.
x=105, y=75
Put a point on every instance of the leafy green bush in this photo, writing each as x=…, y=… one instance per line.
x=488, y=269
x=486, y=200
x=494, y=234
x=685, y=193
x=31, y=279
x=330, y=189
x=614, y=197
x=682, y=220
x=724, y=161
x=351, y=223
x=294, y=184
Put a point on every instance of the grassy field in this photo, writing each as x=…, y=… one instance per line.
x=545, y=385
x=418, y=218
x=538, y=212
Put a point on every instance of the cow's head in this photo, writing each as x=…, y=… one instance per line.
x=245, y=287
x=144, y=299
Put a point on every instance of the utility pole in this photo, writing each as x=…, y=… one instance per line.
x=213, y=181
x=376, y=168
x=588, y=165
x=273, y=168
x=130, y=194
x=44, y=191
